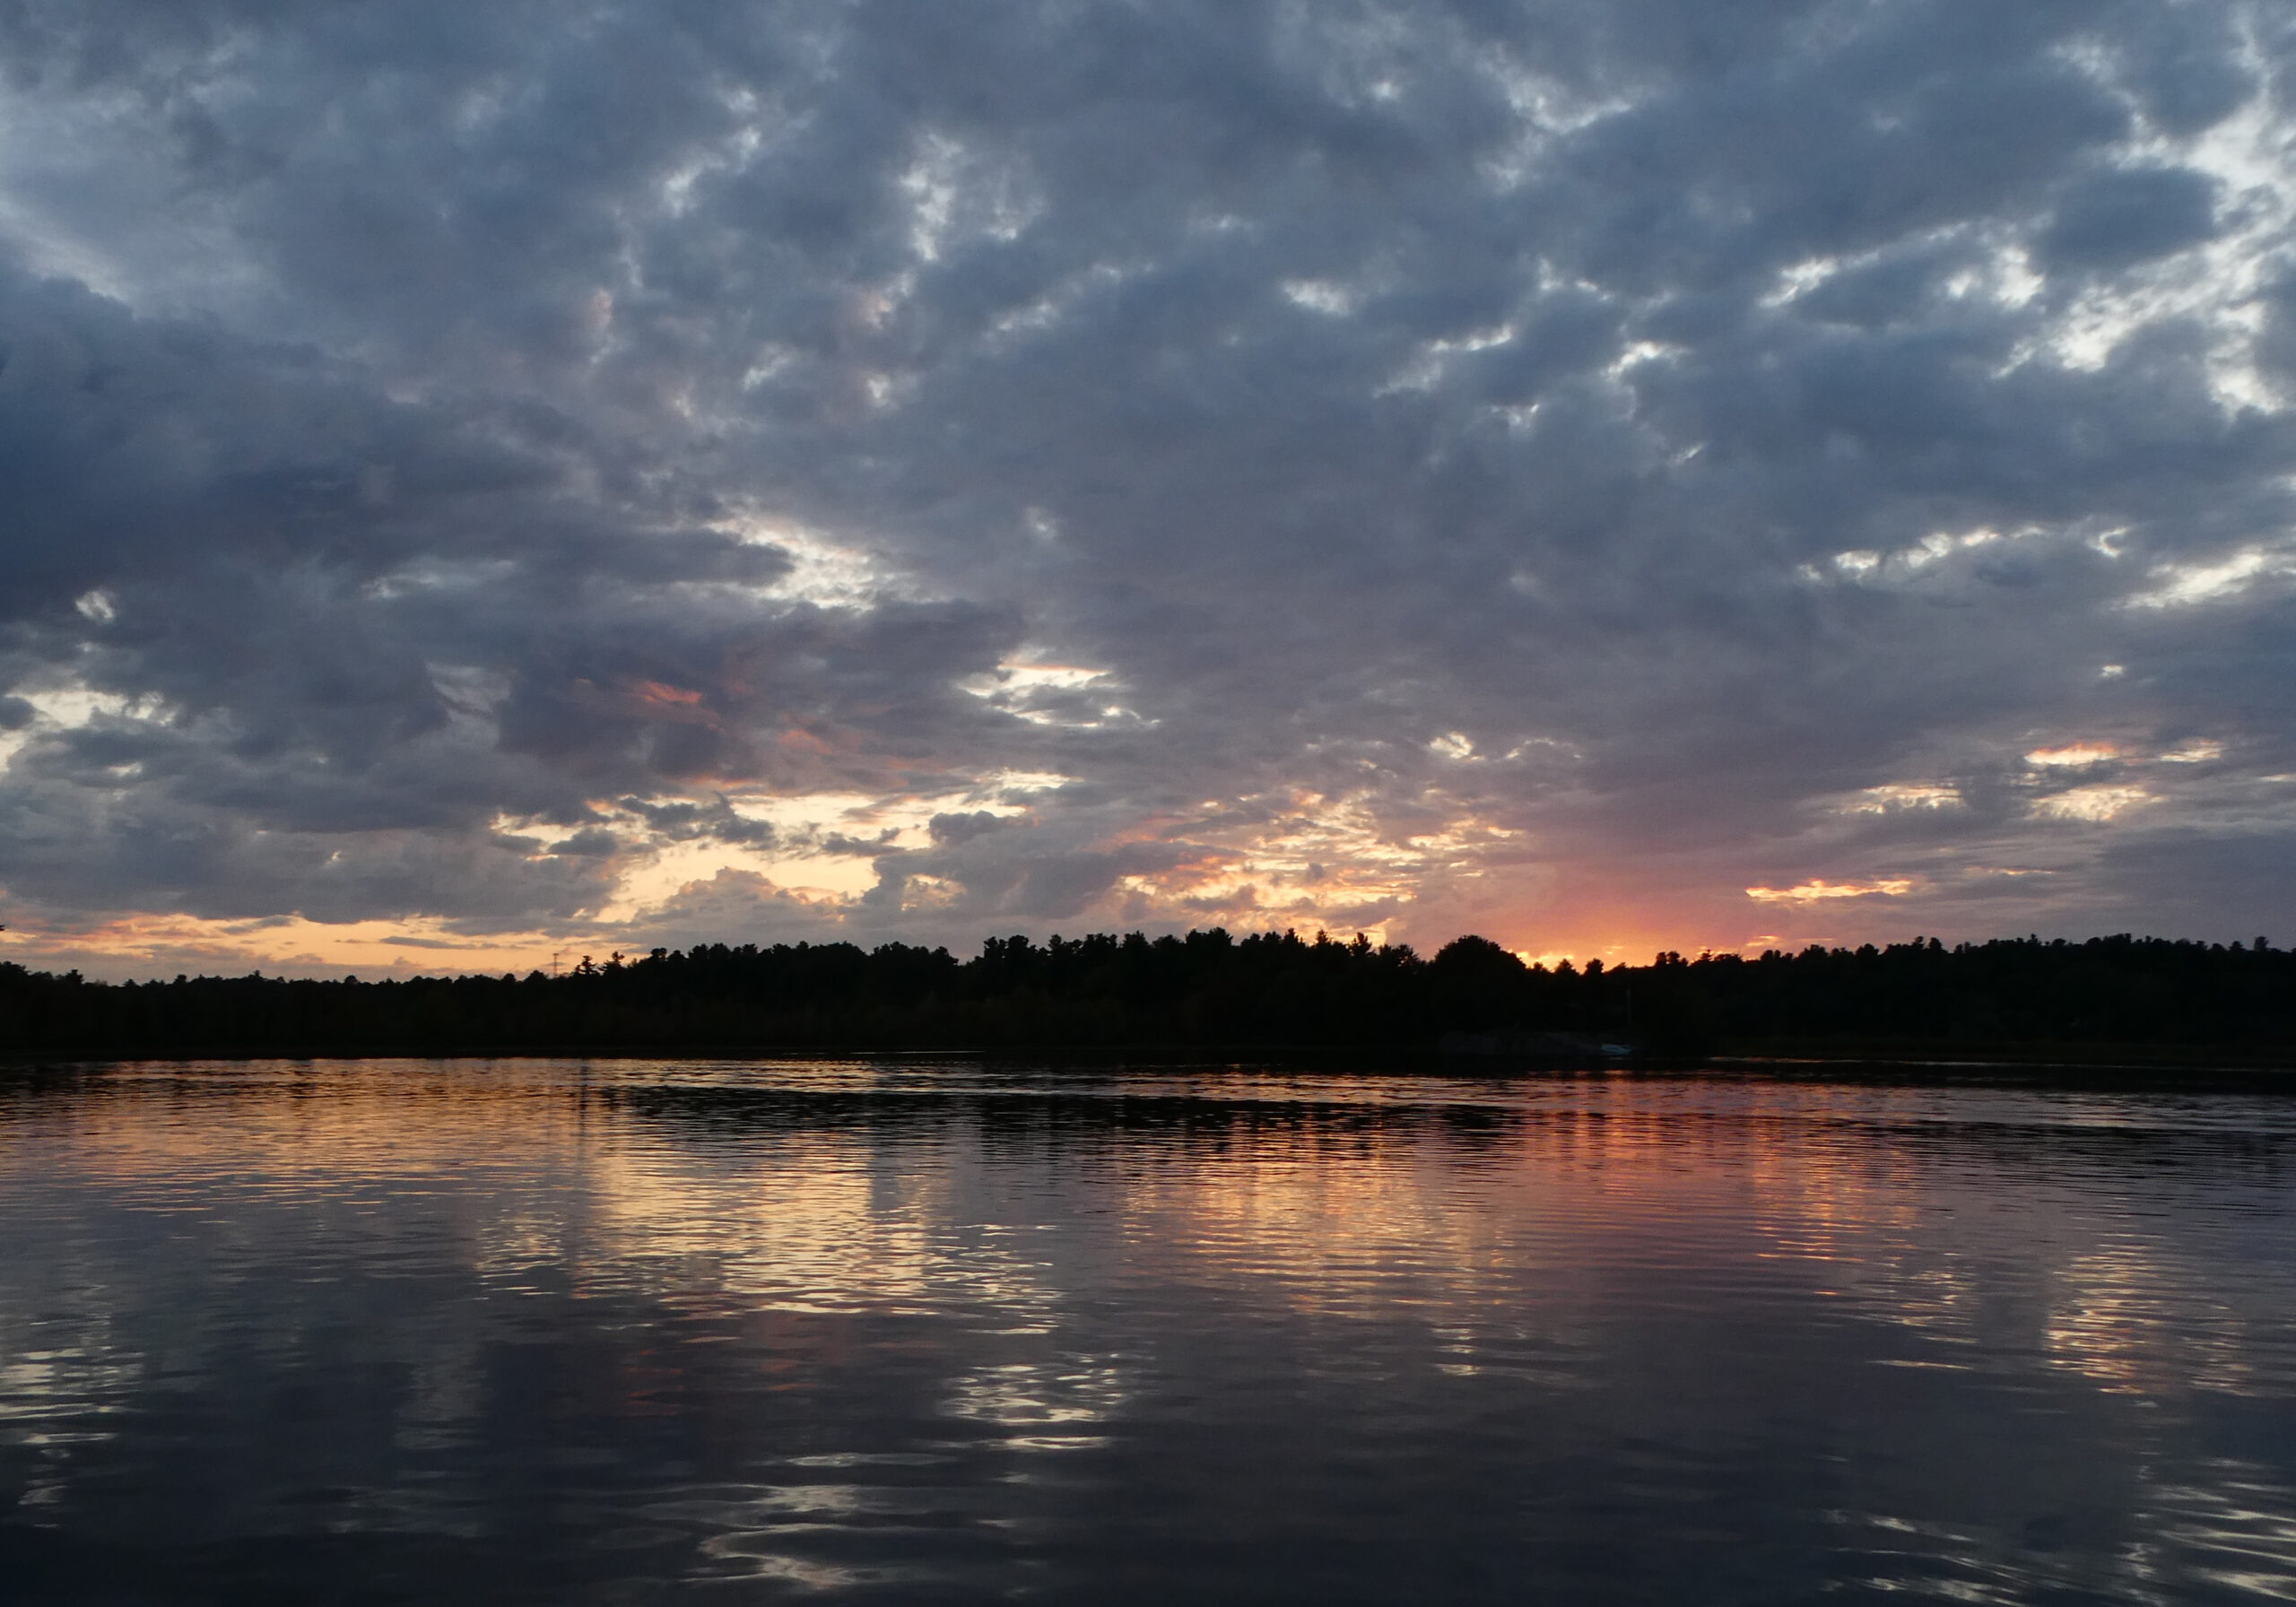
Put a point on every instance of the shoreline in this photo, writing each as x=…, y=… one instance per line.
x=2189, y=1067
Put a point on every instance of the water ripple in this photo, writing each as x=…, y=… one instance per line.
x=941, y=1330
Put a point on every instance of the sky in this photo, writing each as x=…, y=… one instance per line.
x=486, y=481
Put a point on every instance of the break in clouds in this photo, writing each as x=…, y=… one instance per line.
x=489, y=479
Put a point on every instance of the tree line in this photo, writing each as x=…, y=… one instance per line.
x=1206, y=988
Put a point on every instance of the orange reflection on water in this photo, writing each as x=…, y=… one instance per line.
x=1326, y=1198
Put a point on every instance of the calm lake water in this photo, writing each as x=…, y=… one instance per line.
x=633, y=1331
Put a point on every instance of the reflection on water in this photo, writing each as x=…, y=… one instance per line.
x=625, y=1331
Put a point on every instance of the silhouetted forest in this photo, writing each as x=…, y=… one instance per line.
x=1207, y=988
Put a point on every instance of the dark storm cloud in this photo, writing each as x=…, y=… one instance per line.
x=298, y=620
x=1555, y=441
x=716, y=820
x=2125, y=216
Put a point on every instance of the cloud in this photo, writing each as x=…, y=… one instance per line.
x=2127, y=215
x=2074, y=755
x=962, y=827
x=1816, y=893
x=1548, y=466
x=2092, y=803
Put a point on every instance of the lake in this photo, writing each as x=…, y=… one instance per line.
x=934, y=1331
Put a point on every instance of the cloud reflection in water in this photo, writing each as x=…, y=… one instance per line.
x=551, y=1332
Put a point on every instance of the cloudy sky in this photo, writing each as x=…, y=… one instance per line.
x=484, y=480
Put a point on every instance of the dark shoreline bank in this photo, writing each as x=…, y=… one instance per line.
x=2195, y=1069
x=2105, y=1001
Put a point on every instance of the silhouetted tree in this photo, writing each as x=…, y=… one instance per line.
x=1200, y=988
